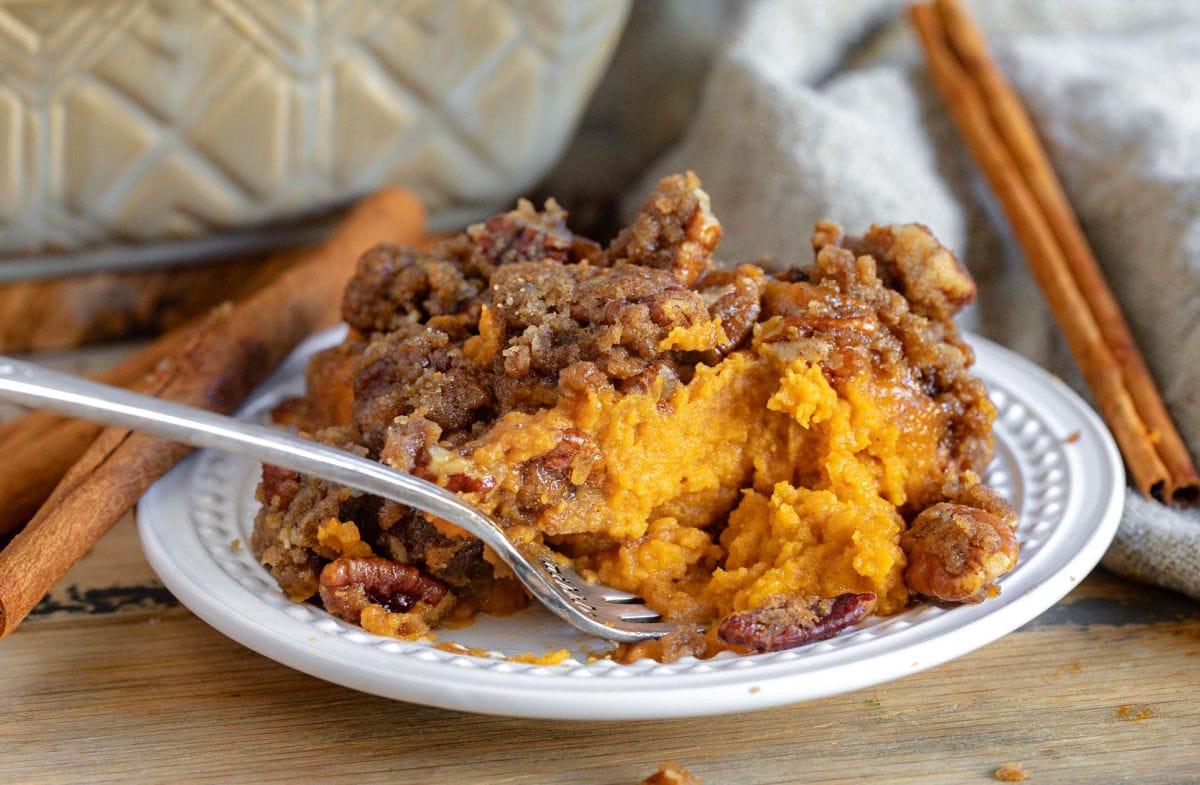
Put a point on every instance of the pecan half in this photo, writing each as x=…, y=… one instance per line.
x=786, y=622
x=956, y=551
x=350, y=584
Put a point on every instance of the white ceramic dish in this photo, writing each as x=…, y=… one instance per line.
x=139, y=135
x=1054, y=460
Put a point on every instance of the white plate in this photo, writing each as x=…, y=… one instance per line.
x=1054, y=460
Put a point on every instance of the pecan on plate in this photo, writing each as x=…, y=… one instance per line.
x=350, y=584
x=956, y=551
x=785, y=622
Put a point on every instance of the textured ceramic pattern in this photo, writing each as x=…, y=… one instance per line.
x=1054, y=461
x=135, y=121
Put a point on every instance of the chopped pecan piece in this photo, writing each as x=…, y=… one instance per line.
x=279, y=486
x=913, y=262
x=348, y=585
x=524, y=235
x=553, y=476
x=408, y=441
x=683, y=641
x=461, y=482
x=643, y=383
x=675, y=230
x=735, y=297
x=786, y=622
x=955, y=551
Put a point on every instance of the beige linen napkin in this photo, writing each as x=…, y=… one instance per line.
x=815, y=110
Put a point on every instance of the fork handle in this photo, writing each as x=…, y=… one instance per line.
x=38, y=387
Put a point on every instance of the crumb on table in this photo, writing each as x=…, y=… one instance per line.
x=671, y=773
x=1134, y=713
x=1012, y=772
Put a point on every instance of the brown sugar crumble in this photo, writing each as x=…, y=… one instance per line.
x=770, y=456
x=1011, y=772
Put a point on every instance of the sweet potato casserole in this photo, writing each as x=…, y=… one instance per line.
x=767, y=457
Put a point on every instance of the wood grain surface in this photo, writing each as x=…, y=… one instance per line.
x=112, y=681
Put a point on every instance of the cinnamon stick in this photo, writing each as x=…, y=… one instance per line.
x=22, y=429
x=215, y=365
x=103, y=306
x=39, y=447
x=1019, y=134
x=32, y=468
x=1002, y=139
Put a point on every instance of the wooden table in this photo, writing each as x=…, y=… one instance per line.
x=111, y=680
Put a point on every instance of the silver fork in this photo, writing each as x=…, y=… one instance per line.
x=595, y=609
